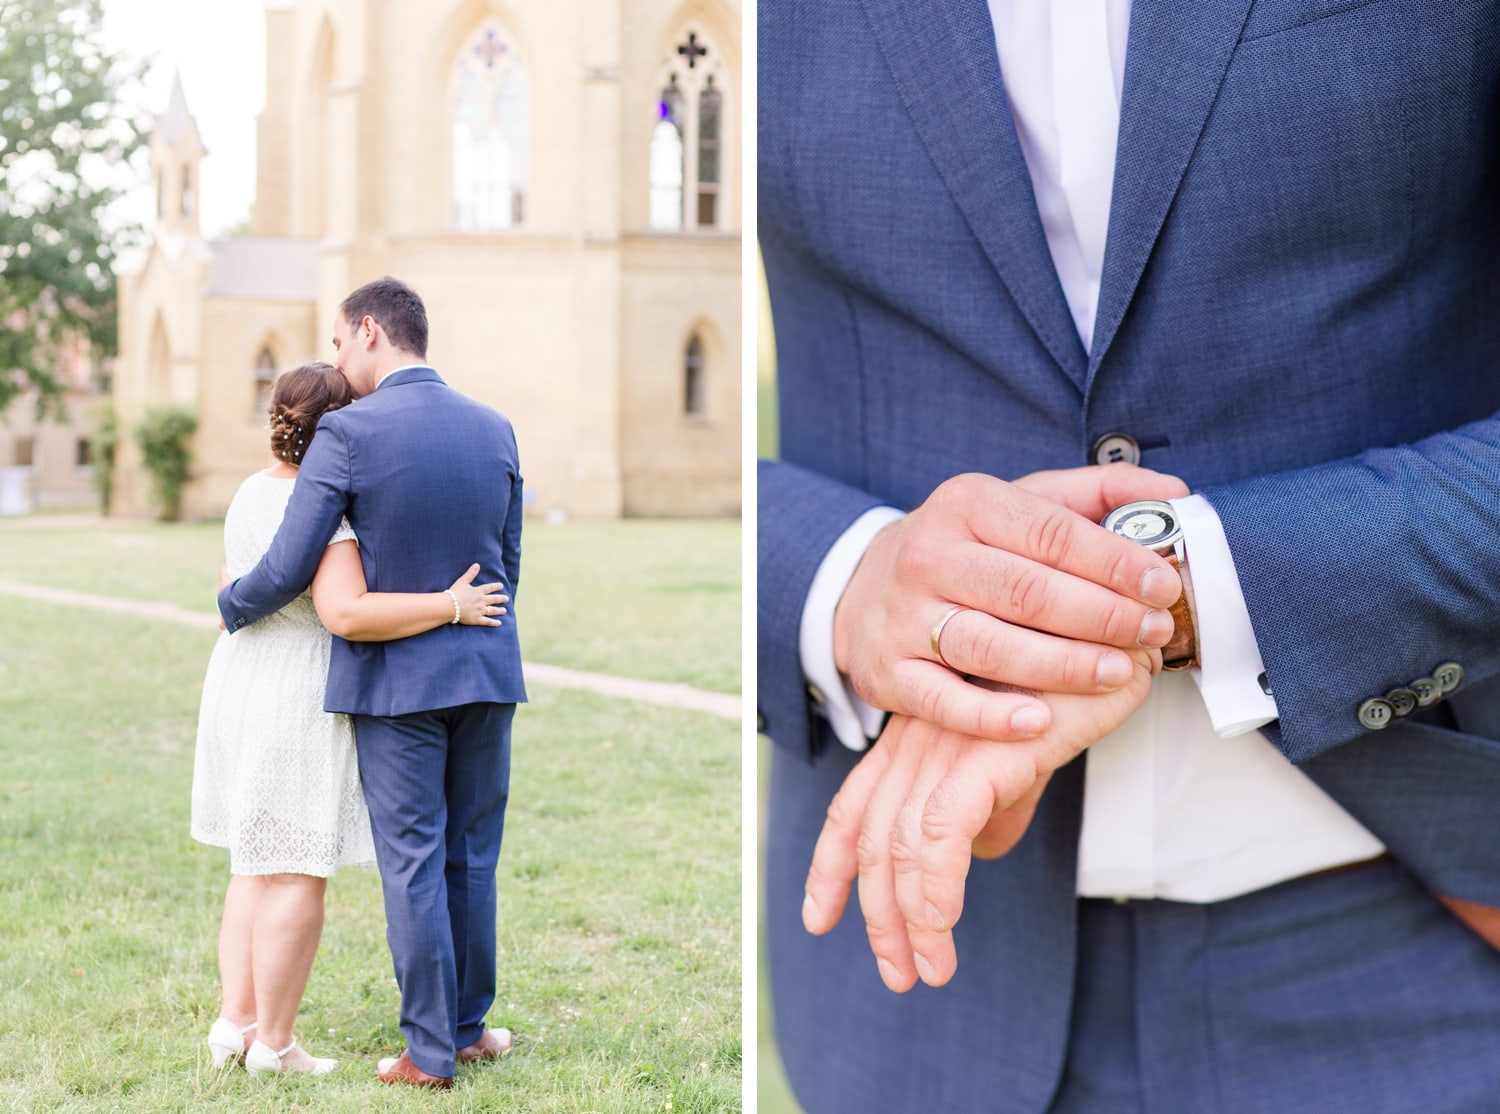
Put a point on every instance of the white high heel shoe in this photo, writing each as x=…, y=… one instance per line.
x=262, y=1058
x=226, y=1041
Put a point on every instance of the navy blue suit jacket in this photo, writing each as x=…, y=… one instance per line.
x=1299, y=315
x=431, y=483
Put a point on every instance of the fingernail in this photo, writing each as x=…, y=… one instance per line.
x=1159, y=588
x=810, y=912
x=1156, y=629
x=888, y=973
x=924, y=969
x=1114, y=670
x=935, y=920
x=1029, y=720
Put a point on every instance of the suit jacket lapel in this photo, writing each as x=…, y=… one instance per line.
x=1175, y=61
x=943, y=59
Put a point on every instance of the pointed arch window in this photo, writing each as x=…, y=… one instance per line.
x=667, y=164
x=265, y=378
x=710, y=101
x=688, y=141
x=695, y=389
x=490, y=132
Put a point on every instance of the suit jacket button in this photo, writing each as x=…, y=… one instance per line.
x=1113, y=448
x=760, y=721
x=817, y=695
x=1376, y=713
x=1449, y=676
x=1403, y=700
x=1427, y=691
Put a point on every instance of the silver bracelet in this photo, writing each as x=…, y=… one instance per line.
x=457, y=612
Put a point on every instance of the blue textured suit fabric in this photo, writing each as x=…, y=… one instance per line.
x=1299, y=315
x=430, y=480
x=1314, y=996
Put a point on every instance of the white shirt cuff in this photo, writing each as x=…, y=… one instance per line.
x=853, y=721
x=1230, y=665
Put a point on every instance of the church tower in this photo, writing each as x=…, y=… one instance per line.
x=176, y=152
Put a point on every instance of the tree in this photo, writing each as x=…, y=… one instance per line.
x=64, y=134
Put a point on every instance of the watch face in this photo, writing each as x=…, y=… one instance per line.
x=1150, y=522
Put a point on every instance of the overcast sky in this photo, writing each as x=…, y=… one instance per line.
x=218, y=46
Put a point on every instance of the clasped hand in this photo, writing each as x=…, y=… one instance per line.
x=1057, y=649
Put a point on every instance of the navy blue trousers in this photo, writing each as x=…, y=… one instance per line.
x=1347, y=992
x=436, y=784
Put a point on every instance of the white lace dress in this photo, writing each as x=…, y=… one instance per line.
x=274, y=777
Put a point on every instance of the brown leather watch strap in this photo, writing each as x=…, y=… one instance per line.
x=1182, y=651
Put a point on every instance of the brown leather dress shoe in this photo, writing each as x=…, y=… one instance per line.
x=400, y=1069
x=493, y=1044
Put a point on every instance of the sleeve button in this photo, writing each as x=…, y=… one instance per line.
x=1402, y=700
x=1427, y=691
x=1448, y=676
x=1376, y=713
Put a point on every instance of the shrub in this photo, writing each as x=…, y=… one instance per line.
x=163, y=437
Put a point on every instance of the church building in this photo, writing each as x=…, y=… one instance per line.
x=557, y=181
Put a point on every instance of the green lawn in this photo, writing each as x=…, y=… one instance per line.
x=656, y=600
x=619, y=880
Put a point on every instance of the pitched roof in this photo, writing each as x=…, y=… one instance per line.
x=264, y=268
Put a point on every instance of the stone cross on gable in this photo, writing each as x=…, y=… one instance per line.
x=692, y=50
x=491, y=49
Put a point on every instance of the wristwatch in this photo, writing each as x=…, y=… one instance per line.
x=1154, y=524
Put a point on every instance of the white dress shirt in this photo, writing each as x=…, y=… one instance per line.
x=1185, y=800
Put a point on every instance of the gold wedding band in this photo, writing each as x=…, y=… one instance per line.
x=937, y=632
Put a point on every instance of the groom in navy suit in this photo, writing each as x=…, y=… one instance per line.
x=1029, y=261
x=430, y=481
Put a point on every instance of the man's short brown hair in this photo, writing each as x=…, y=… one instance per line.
x=395, y=307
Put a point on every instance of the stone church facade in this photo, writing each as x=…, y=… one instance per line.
x=558, y=181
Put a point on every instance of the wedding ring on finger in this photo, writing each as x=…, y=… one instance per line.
x=937, y=632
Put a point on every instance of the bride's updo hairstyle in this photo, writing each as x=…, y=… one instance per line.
x=302, y=396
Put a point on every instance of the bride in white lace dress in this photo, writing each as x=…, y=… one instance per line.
x=275, y=779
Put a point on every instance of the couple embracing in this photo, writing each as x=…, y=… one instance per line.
x=386, y=483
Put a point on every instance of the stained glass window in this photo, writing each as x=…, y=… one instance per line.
x=687, y=138
x=667, y=159
x=709, y=102
x=490, y=103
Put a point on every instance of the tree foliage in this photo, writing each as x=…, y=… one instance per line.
x=64, y=134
